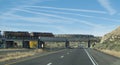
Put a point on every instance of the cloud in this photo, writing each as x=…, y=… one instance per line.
x=22, y=4
x=38, y=19
x=38, y=22
x=47, y=19
x=8, y=28
x=61, y=17
x=27, y=27
x=30, y=25
x=69, y=9
x=107, y=5
x=76, y=14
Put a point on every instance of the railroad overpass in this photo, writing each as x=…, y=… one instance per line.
x=42, y=40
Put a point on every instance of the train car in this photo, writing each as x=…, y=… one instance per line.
x=40, y=34
x=12, y=34
x=33, y=44
x=26, y=44
x=74, y=36
x=10, y=44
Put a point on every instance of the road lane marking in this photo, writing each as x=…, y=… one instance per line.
x=91, y=58
x=62, y=56
x=34, y=57
x=94, y=60
x=49, y=63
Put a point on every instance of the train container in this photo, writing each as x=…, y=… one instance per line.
x=1, y=44
x=15, y=34
x=10, y=44
x=33, y=44
x=40, y=34
x=19, y=43
x=26, y=44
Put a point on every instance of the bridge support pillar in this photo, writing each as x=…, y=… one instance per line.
x=67, y=44
x=25, y=44
x=89, y=44
x=4, y=43
x=41, y=44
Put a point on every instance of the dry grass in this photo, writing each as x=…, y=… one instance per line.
x=112, y=52
x=17, y=55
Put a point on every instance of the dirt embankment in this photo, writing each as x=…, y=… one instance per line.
x=110, y=43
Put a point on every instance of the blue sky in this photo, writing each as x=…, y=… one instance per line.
x=96, y=17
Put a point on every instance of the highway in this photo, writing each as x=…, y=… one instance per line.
x=70, y=57
x=65, y=57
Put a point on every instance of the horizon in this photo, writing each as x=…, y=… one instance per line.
x=94, y=17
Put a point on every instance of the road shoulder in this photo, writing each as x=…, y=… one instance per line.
x=102, y=58
x=28, y=58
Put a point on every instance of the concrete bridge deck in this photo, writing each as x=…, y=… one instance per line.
x=54, y=39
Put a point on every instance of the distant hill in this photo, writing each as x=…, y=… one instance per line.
x=111, y=40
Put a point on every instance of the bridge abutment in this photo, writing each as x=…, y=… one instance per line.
x=67, y=44
x=89, y=44
x=41, y=44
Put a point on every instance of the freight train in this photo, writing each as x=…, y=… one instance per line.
x=74, y=36
x=21, y=34
x=15, y=34
x=40, y=34
x=23, y=37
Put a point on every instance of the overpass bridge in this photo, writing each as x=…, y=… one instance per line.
x=67, y=40
x=41, y=40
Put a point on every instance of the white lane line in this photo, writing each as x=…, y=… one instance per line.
x=94, y=60
x=91, y=58
x=61, y=56
x=49, y=63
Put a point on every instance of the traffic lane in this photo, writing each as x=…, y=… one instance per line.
x=44, y=60
x=67, y=57
x=103, y=58
x=76, y=57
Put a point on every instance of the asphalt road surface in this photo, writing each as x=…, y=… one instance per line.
x=71, y=57
x=65, y=57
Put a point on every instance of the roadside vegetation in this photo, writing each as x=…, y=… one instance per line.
x=110, y=43
x=112, y=48
x=17, y=55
